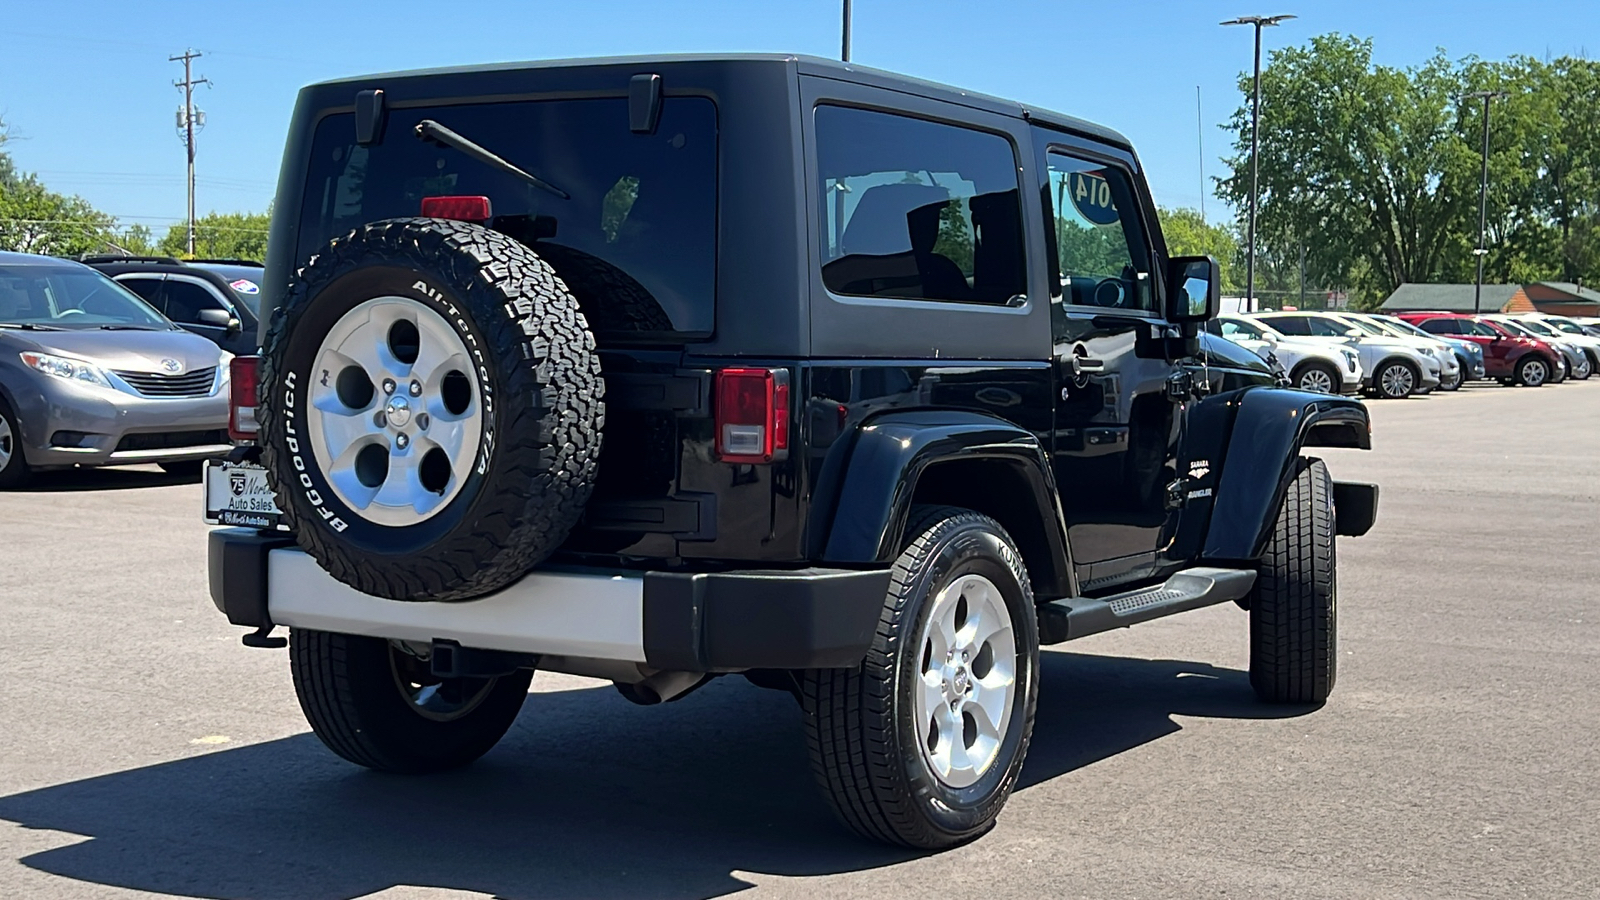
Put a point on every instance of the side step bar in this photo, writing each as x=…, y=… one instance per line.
x=1076, y=617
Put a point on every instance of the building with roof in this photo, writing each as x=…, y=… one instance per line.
x=1551, y=297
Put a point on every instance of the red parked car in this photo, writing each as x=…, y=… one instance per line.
x=1511, y=358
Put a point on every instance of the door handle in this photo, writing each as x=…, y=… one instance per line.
x=1084, y=365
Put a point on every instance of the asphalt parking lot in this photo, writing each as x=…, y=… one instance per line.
x=143, y=751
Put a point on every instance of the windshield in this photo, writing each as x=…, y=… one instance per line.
x=1401, y=326
x=1538, y=327
x=71, y=297
x=1564, y=325
x=1515, y=328
x=1364, y=325
x=636, y=239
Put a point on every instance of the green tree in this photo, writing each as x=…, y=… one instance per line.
x=221, y=235
x=1189, y=234
x=35, y=219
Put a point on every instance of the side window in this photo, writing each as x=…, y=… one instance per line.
x=917, y=210
x=1297, y=325
x=1325, y=327
x=1101, y=253
x=1232, y=328
x=1440, y=326
x=185, y=299
x=146, y=287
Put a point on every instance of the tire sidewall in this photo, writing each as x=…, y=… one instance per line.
x=303, y=486
x=1416, y=380
x=970, y=548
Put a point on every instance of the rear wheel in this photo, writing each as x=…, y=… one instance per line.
x=375, y=703
x=1582, y=370
x=1293, y=613
x=14, y=469
x=921, y=744
x=1316, y=376
x=1532, y=371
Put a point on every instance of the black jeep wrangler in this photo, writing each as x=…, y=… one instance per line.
x=661, y=369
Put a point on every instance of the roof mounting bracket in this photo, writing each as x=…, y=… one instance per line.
x=644, y=103
x=369, y=117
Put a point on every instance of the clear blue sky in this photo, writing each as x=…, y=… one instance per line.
x=87, y=88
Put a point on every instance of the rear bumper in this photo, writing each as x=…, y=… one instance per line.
x=694, y=622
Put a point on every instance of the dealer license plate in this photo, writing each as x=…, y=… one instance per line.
x=238, y=494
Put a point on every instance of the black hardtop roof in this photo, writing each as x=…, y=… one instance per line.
x=807, y=65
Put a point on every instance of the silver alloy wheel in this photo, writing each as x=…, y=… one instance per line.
x=1534, y=372
x=438, y=699
x=1316, y=379
x=8, y=442
x=967, y=680
x=396, y=415
x=1583, y=370
x=1397, y=380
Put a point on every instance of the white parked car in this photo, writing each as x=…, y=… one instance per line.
x=1449, y=366
x=1555, y=328
x=1312, y=365
x=1395, y=368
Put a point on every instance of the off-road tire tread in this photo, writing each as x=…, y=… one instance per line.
x=550, y=392
x=1293, y=625
x=320, y=663
x=849, y=712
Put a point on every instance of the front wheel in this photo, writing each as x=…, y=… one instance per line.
x=1453, y=382
x=1396, y=380
x=1582, y=370
x=375, y=703
x=921, y=744
x=1318, y=377
x=14, y=469
x=1532, y=371
x=1293, y=611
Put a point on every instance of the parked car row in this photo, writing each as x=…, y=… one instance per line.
x=94, y=371
x=1394, y=357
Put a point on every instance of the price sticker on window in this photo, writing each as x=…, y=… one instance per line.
x=1091, y=196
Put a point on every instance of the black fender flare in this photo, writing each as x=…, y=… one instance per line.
x=1270, y=427
x=891, y=452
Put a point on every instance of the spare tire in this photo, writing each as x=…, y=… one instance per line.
x=430, y=409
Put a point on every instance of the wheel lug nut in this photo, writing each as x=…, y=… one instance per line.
x=401, y=441
x=388, y=385
x=416, y=389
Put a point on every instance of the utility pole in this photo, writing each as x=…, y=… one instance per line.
x=1259, y=22
x=1200, y=138
x=1483, y=198
x=845, y=51
x=186, y=122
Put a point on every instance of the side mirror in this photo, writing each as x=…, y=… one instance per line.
x=1194, y=288
x=217, y=318
x=1270, y=338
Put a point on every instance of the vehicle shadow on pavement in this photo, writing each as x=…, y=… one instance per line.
x=100, y=479
x=587, y=796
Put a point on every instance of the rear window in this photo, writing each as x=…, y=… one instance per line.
x=636, y=241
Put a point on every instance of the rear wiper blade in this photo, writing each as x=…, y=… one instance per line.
x=431, y=132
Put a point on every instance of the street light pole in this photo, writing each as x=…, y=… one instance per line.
x=1483, y=199
x=1259, y=22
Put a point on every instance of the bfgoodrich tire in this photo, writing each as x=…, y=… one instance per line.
x=1293, y=610
x=921, y=744
x=430, y=409
x=373, y=703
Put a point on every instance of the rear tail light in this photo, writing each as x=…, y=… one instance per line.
x=463, y=208
x=752, y=415
x=244, y=380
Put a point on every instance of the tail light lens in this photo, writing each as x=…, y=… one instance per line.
x=752, y=415
x=463, y=209
x=244, y=380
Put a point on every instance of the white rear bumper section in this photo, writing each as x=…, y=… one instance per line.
x=595, y=616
